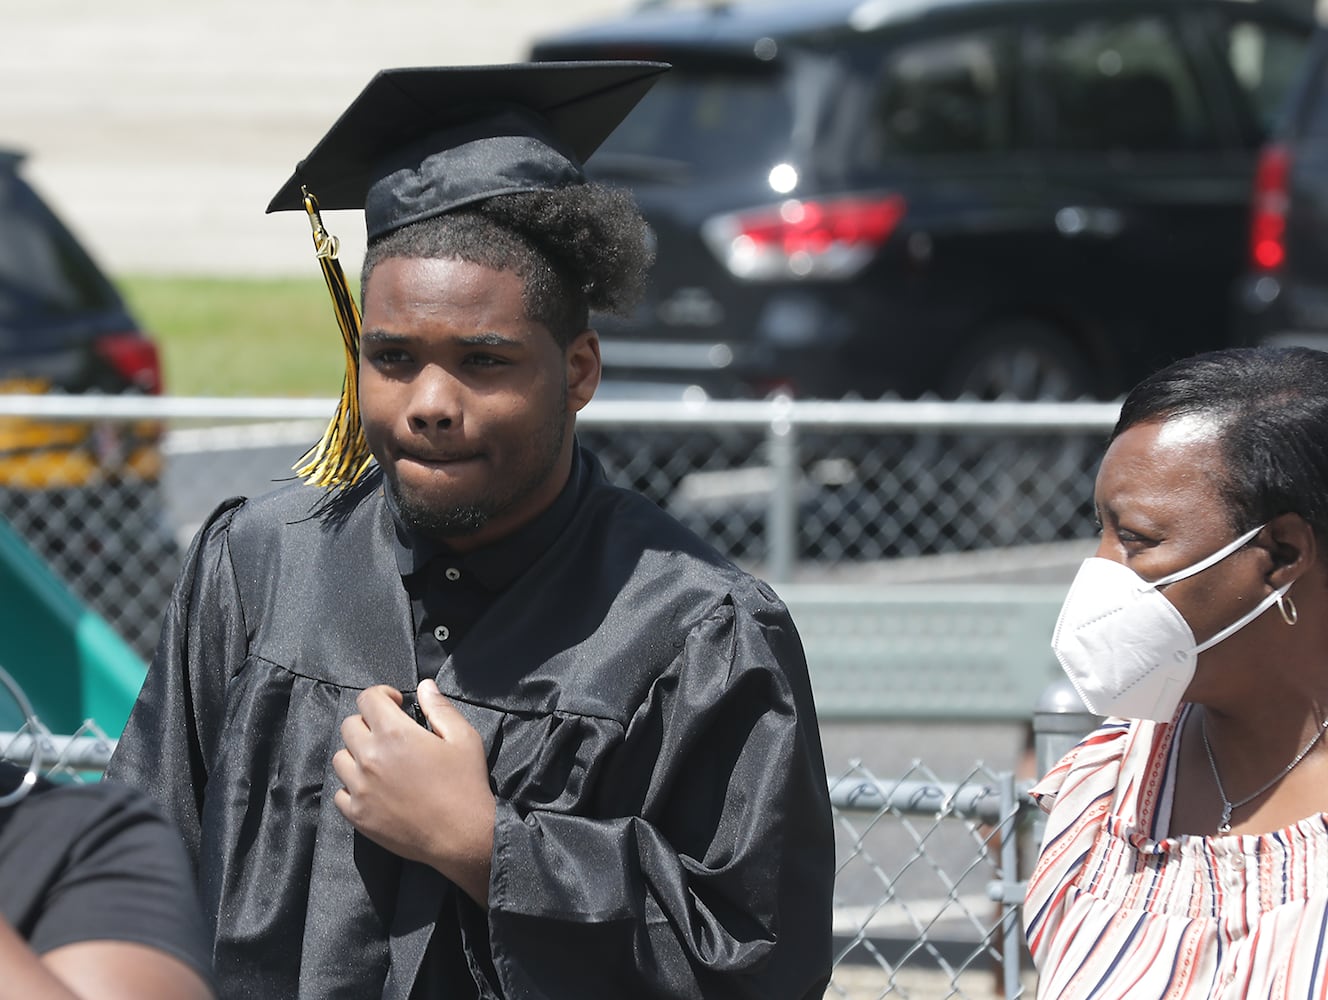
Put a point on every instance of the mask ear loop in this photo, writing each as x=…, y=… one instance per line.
x=1207, y=561
x=1288, y=609
x=35, y=730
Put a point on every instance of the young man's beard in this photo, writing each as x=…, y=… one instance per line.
x=459, y=520
x=452, y=522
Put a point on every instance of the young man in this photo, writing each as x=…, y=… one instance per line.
x=475, y=723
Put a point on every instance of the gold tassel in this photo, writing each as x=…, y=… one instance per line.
x=342, y=457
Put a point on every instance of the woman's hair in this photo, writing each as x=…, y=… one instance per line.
x=1271, y=407
x=576, y=249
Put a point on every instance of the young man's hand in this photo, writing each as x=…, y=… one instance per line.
x=423, y=795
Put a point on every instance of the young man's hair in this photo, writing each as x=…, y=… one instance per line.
x=576, y=249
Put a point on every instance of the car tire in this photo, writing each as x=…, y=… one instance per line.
x=1017, y=488
x=1020, y=360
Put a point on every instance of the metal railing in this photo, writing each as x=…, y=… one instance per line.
x=928, y=885
x=831, y=501
x=791, y=489
x=924, y=925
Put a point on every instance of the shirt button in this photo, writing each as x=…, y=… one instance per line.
x=441, y=633
x=1237, y=862
x=452, y=573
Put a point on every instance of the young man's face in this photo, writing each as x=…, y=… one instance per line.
x=467, y=403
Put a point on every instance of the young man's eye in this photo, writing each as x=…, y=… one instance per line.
x=485, y=361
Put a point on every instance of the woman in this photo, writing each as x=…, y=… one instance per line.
x=1186, y=849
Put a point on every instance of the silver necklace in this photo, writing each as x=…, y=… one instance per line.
x=1227, y=805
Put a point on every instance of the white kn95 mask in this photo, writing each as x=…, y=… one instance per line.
x=1125, y=647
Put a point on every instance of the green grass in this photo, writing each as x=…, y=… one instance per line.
x=240, y=336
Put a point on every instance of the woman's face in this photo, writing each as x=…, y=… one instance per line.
x=1158, y=502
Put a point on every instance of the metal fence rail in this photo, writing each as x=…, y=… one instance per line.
x=827, y=500
x=788, y=488
x=927, y=894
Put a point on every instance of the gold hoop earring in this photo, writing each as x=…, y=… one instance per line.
x=1288, y=608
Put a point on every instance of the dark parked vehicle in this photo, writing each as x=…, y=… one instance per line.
x=86, y=496
x=1285, y=296
x=1021, y=198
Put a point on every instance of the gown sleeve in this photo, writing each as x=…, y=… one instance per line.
x=171, y=733
x=717, y=880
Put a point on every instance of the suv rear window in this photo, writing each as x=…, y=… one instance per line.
x=703, y=123
x=1113, y=85
x=1265, y=60
x=941, y=95
x=44, y=274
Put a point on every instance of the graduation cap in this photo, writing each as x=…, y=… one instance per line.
x=420, y=142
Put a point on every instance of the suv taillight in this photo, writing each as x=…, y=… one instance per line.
x=134, y=357
x=830, y=239
x=1268, y=217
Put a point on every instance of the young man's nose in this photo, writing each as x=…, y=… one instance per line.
x=435, y=400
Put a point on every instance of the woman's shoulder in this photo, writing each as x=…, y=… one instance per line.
x=1094, y=762
x=1125, y=759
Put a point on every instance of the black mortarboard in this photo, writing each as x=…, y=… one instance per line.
x=420, y=142
x=417, y=143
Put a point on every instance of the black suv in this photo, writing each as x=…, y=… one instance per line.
x=999, y=198
x=86, y=496
x=1285, y=296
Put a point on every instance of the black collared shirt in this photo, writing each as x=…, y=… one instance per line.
x=450, y=591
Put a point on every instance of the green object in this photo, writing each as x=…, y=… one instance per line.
x=209, y=331
x=927, y=651
x=71, y=664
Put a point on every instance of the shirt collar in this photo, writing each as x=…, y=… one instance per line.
x=496, y=565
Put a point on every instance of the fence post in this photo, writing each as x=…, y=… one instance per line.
x=1060, y=720
x=1012, y=939
x=781, y=516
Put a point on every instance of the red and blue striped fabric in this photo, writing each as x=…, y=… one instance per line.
x=1117, y=909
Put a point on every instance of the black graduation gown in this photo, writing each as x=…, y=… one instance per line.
x=663, y=823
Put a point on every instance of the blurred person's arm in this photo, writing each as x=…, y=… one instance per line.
x=97, y=898
x=106, y=970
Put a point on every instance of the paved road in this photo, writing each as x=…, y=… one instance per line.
x=160, y=129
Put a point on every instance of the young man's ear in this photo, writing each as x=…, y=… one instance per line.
x=583, y=369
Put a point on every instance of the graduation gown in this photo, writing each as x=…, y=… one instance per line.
x=663, y=824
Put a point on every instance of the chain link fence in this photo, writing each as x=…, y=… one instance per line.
x=928, y=883
x=111, y=543
x=927, y=892
x=786, y=488
x=783, y=483
x=927, y=888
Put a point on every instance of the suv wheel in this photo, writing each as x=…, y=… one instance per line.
x=1022, y=360
x=1013, y=489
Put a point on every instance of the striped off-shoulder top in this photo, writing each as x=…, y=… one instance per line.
x=1117, y=908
